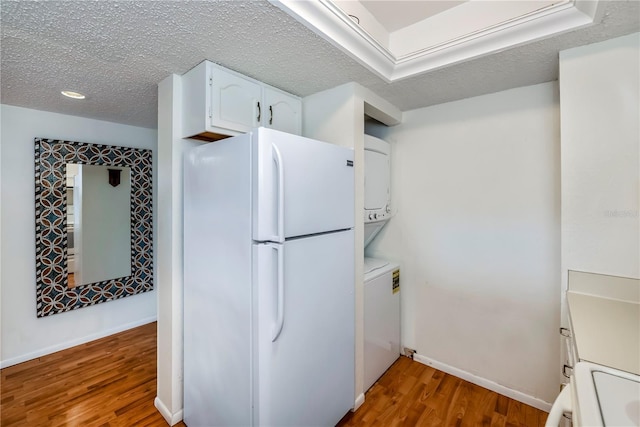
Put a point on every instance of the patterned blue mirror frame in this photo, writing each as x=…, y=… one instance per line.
x=53, y=294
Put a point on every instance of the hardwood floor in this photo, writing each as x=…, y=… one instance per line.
x=107, y=382
x=413, y=394
x=112, y=382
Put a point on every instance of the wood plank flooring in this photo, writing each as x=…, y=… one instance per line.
x=112, y=382
x=107, y=382
x=413, y=394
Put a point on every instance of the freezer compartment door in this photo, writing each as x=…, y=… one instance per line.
x=300, y=186
x=305, y=343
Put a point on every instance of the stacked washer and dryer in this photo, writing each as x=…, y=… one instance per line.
x=381, y=277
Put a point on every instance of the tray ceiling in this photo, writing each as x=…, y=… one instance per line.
x=116, y=52
x=394, y=15
x=400, y=39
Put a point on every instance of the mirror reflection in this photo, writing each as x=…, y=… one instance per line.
x=98, y=223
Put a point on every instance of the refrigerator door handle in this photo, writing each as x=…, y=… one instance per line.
x=277, y=157
x=277, y=327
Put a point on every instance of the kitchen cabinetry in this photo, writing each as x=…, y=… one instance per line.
x=218, y=103
x=234, y=101
x=282, y=110
x=570, y=347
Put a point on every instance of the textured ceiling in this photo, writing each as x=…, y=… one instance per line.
x=116, y=52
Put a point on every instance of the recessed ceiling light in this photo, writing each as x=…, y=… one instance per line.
x=74, y=95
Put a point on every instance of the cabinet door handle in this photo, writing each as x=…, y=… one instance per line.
x=566, y=368
x=259, y=112
x=565, y=332
x=270, y=114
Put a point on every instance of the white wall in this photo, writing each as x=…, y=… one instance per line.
x=24, y=336
x=600, y=110
x=337, y=116
x=476, y=185
x=169, y=399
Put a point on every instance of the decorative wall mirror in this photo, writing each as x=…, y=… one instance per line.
x=93, y=224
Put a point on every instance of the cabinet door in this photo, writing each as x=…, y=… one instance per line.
x=282, y=111
x=235, y=102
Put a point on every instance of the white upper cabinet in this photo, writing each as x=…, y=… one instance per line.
x=282, y=111
x=235, y=101
x=217, y=103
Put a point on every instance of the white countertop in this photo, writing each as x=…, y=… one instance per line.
x=606, y=331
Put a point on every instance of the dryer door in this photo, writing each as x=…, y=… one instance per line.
x=376, y=181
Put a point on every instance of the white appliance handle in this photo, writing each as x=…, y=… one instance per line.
x=277, y=157
x=561, y=405
x=277, y=327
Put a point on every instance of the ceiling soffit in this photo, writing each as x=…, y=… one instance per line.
x=393, y=58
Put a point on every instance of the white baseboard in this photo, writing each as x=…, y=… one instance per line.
x=483, y=382
x=358, y=403
x=171, y=419
x=73, y=343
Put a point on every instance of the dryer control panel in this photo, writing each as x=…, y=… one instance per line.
x=377, y=215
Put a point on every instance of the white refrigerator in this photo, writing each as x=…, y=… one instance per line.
x=268, y=282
